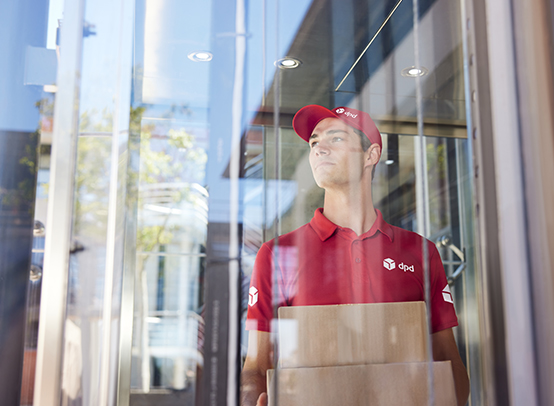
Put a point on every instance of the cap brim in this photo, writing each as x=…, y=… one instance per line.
x=307, y=117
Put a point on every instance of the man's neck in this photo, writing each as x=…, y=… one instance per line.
x=353, y=209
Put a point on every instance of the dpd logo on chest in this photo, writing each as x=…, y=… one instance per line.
x=390, y=264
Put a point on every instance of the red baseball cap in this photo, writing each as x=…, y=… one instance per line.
x=307, y=117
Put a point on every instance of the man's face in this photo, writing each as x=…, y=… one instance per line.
x=336, y=155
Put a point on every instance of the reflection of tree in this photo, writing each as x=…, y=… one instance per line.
x=166, y=157
x=169, y=158
x=92, y=176
x=163, y=159
x=22, y=197
x=95, y=121
x=158, y=154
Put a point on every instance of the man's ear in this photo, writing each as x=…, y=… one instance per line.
x=372, y=155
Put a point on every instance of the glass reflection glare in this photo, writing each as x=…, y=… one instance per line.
x=200, y=56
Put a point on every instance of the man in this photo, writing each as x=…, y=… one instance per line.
x=347, y=253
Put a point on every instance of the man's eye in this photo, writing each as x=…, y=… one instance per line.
x=313, y=144
x=337, y=139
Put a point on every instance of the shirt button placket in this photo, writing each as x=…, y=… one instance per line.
x=356, y=251
x=360, y=284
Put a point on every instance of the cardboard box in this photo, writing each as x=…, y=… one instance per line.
x=357, y=385
x=377, y=333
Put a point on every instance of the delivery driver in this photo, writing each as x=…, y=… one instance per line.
x=347, y=253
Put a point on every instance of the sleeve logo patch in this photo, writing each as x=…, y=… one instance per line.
x=446, y=295
x=252, y=296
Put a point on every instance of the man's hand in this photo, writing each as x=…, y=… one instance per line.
x=253, y=377
x=262, y=400
x=445, y=349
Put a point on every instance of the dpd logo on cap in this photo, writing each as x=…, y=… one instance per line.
x=340, y=110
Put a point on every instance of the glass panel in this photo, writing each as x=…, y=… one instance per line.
x=204, y=198
x=187, y=192
x=448, y=208
x=370, y=57
x=29, y=66
x=171, y=106
x=197, y=230
x=91, y=330
x=171, y=251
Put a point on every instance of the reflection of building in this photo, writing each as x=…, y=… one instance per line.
x=164, y=228
x=169, y=297
x=21, y=48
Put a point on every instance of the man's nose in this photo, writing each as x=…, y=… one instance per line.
x=321, y=149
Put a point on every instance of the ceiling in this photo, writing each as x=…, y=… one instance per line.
x=334, y=34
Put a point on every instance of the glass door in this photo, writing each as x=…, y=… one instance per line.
x=179, y=119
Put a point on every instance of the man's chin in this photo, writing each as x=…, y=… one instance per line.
x=325, y=183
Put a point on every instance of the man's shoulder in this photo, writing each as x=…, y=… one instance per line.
x=294, y=237
x=407, y=237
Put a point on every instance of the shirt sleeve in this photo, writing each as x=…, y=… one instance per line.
x=260, y=309
x=443, y=314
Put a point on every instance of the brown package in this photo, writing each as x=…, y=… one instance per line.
x=377, y=333
x=403, y=384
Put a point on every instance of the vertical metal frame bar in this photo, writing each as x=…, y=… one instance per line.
x=422, y=189
x=60, y=209
x=233, y=366
x=511, y=205
x=127, y=311
x=60, y=215
x=534, y=66
x=129, y=265
x=115, y=239
x=420, y=142
x=273, y=390
x=489, y=273
x=220, y=375
x=507, y=302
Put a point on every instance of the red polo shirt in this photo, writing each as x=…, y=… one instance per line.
x=321, y=263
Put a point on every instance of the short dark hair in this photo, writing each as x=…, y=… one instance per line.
x=366, y=143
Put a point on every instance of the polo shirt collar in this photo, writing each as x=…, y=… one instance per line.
x=325, y=228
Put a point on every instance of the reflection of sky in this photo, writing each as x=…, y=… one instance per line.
x=172, y=30
x=101, y=57
x=170, y=77
x=290, y=17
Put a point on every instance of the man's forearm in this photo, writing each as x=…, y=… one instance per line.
x=461, y=383
x=445, y=349
x=252, y=385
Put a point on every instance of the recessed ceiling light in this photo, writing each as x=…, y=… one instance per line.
x=412, y=71
x=288, y=63
x=389, y=161
x=200, y=56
